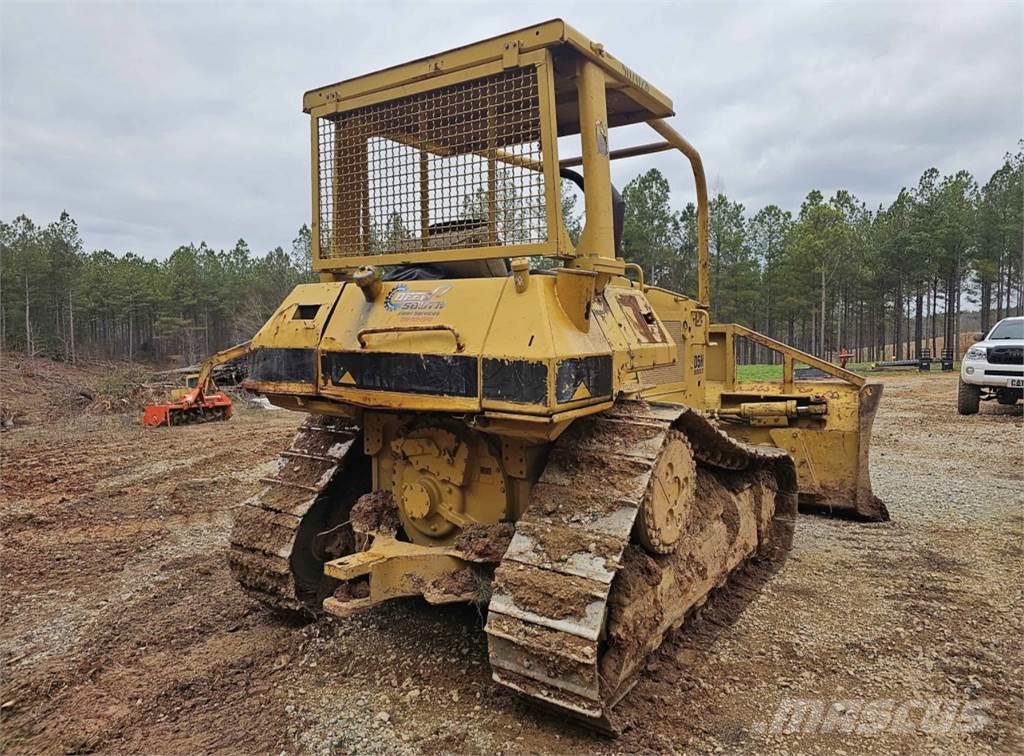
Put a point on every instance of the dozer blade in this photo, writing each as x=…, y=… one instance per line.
x=834, y=465
x=822, y=418
x=866, y=503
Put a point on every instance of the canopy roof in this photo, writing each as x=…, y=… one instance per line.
x=631, y=99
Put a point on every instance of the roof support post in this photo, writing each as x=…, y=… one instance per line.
x=598, y=237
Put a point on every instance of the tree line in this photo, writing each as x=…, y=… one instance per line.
x=59, y=301
x=835, y=275
x=840, y=276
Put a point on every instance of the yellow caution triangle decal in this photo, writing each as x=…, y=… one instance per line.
x=581, y=392
x=347, y=379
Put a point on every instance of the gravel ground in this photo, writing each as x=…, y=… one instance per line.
x=121, y=630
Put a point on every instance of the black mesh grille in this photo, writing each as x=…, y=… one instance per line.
x=1006, y=355
x=455, y=167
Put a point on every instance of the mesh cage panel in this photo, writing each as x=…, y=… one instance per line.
x=456, y=167
x=661, y=374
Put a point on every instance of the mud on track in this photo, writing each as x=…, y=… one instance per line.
x=122, y=631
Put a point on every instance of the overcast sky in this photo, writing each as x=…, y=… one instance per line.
x=157, y=124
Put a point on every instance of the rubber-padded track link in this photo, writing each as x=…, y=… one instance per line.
x=265, y=529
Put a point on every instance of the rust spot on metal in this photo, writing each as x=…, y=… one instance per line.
x=643, y=318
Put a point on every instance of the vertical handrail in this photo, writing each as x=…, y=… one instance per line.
x=703, y=265
x=787, y=372
x=792, y=354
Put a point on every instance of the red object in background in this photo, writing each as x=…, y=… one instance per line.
x=843, y=357
x=204, y=402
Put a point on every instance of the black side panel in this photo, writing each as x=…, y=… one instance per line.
x=593, y=372
x=282, y=365
x=443, y=375
x=516, y=381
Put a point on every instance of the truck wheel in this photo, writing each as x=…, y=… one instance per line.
x=1008, y=396
x=968, y=398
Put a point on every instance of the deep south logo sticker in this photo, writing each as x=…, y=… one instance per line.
x=409, y=303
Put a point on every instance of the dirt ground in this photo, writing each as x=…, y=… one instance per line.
x=121, y=629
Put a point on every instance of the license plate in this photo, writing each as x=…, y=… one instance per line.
x=1016, y=383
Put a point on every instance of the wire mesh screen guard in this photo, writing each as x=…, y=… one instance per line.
x=456, y=167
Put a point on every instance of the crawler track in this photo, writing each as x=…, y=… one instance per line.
x=576, y=607
x=272, y=538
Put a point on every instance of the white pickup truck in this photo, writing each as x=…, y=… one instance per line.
x=993, y=368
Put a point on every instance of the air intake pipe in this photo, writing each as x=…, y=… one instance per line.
x=618, y=205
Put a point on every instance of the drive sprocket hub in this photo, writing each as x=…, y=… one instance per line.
x=670, y=494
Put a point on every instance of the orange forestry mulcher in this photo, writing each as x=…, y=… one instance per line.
x=203, y=402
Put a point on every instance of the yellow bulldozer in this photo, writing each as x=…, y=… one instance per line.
x=499, y=415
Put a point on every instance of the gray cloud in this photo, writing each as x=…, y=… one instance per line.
x=156, y=124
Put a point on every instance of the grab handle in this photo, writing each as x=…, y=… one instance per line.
x=459, y=345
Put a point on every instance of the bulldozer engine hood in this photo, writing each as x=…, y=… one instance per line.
x=462, y=345
x=283, y=356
